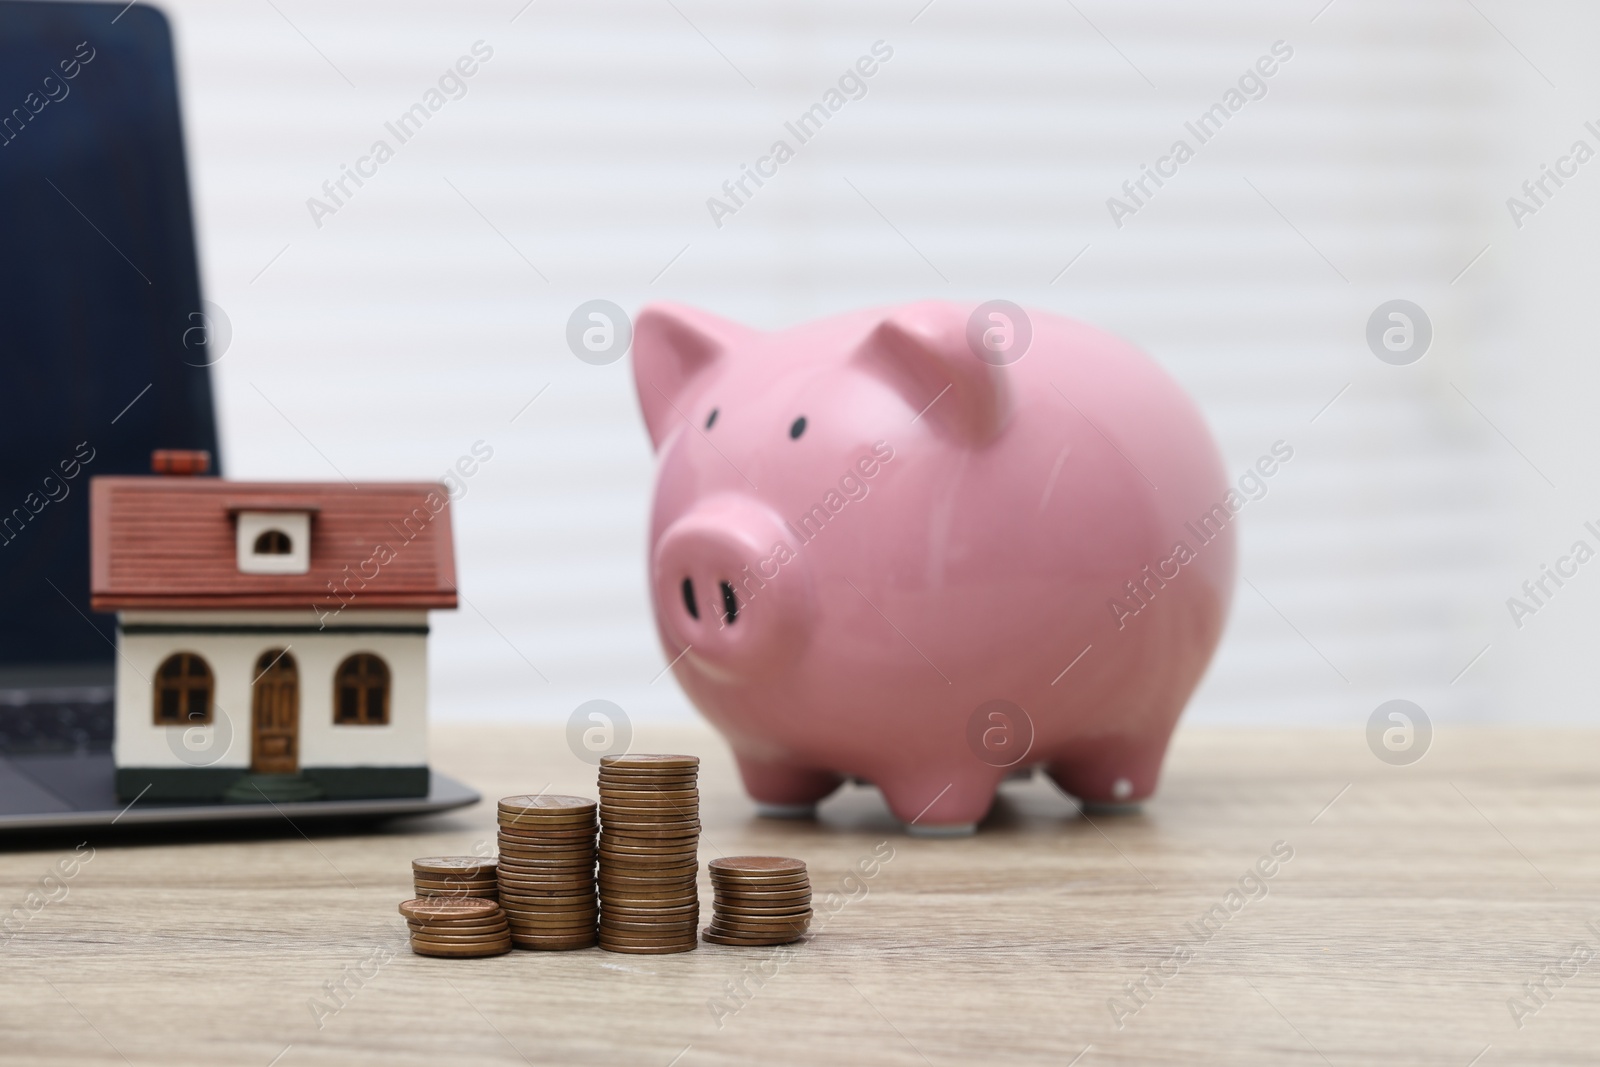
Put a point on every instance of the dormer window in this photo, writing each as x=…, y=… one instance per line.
x=274, y=542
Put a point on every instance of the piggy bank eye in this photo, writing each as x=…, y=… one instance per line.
x=711, y=419
x=797, y=427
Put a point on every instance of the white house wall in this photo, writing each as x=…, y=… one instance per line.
x=232, y=658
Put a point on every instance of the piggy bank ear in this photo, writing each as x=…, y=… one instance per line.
x=674, y=351
x=921, y=352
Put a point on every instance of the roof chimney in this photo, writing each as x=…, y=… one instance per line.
x=179, y=461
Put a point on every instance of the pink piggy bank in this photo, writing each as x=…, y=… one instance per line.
x=918, y=547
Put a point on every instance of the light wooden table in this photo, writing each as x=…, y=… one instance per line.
x=1415, y=906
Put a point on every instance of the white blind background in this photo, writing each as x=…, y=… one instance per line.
x=430, y=309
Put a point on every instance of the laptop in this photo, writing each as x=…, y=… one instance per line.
x=105, y=350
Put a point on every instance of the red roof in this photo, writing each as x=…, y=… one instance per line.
x=169, y=542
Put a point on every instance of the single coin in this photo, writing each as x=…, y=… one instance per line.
x=447, y=907
x=460, y=939
x=452, y=879
x=626, y=869
x=650, y=915
x=661, y=831
x=499, y=926
x=548, y=864
x=631, y=793
x=549, y=893
x=646, y=846
x=553, y=944
x=479, y=894
x=767, y=885
x=550, y=827
x=462, y=951
x=637, y=900
x=565, y=920
x=757, y=896
x=757, y=865
x=685, y=850
x=777, y=933
x=687, y=946
x=711, y=936
x=549, y=802
x=578, y=832
x=616, y=937
x=645, y=787
x=666, y=932
x=648, y=861
x=687, y=811
x=636, y=760
x=462, y=865
x=564, y=873
x=746, y=919
x=754, y=895
x=569, y=930
x=676, y=883
x=529, y=892
x=781, y=914
x=752, y=925
x=451, y=887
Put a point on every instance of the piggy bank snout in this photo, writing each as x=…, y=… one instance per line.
x=731, y=589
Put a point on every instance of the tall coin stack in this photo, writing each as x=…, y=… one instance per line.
x=759, y=900
x=649, y=853
x=546, y=870
x=454, y=876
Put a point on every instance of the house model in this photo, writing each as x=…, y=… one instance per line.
x=271, y=637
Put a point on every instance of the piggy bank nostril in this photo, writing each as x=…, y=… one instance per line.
x=730, y=603
x=688, y=599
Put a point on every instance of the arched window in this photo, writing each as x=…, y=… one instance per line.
x=273, y=543
x=183, y=691
x=361, y=691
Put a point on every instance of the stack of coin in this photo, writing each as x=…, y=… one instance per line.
x=456, y=926
x=649, y=853
x=546, y=870
x=454, y=876
x=759, y=900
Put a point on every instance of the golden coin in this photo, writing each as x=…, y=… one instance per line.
x=447, y=907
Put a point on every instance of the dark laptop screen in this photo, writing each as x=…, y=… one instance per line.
x=102, y=342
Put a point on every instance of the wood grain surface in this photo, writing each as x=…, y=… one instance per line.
x=1417, y=903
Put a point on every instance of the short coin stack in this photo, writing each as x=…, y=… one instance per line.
x=649, y=853
x=546, y=870
x=454, y=876
x=759, y=900
x=456, y=926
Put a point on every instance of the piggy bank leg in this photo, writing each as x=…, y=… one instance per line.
x=783, y=791
x=943, y=807
x=1111, y=775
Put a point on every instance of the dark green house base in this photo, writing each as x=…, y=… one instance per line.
x=217, y=785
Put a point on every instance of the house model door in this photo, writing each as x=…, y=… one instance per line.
x=275, y=715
